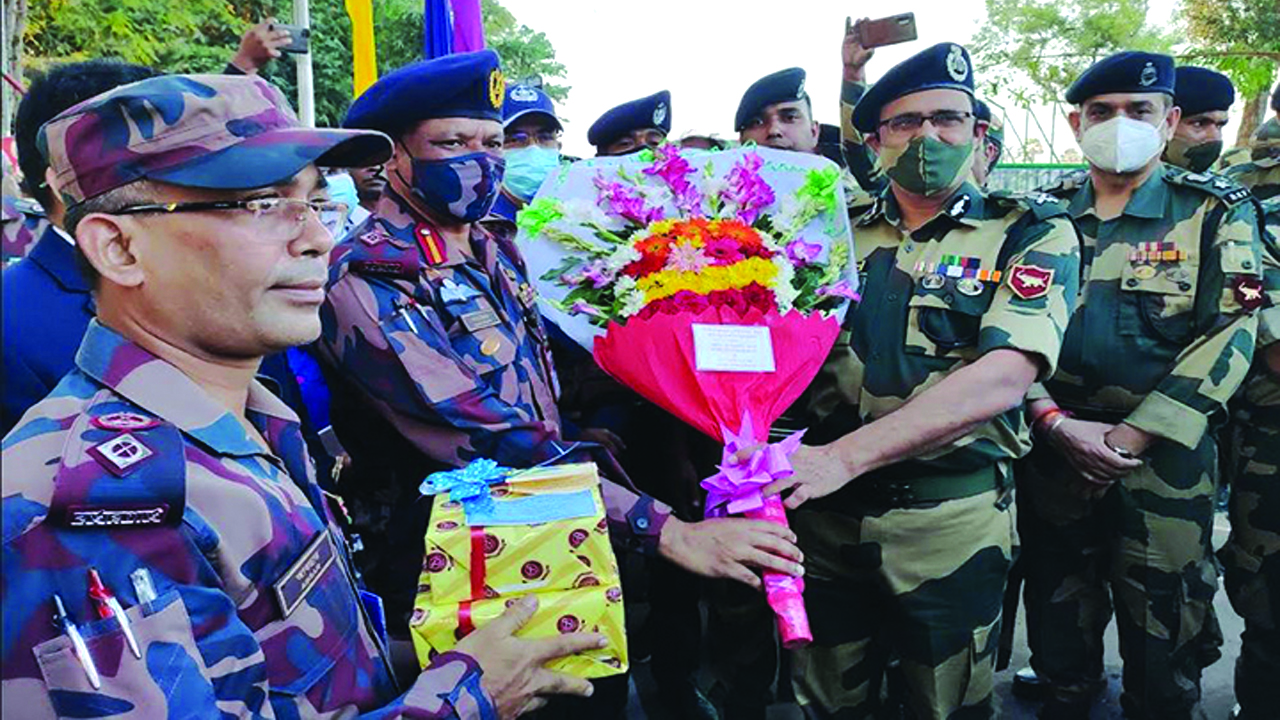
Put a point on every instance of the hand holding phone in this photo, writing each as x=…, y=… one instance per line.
x=853, y=53
x=886, y=31
x=299, y=37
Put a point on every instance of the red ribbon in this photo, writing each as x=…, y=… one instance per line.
x=465, y=623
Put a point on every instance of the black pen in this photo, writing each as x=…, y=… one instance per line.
x=77, y=642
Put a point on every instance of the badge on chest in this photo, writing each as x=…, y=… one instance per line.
x=305, y=573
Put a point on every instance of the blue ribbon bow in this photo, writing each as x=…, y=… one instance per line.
x=469, y=486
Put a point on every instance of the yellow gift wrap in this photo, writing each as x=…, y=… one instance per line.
x=471, y=572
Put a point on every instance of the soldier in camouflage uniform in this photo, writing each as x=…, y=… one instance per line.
x=1251, y=557
x=1262, y=173
x=965, y=300
x=167, y=550
x=1121, y=493
x=434, y=347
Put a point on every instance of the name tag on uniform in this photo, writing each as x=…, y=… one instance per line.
x=297, y=582
x=480, y=319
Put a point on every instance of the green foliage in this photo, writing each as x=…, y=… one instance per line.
x=202, y=35
x=1236, y=37
x=1033, y=50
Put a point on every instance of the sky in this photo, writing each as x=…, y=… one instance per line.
x=707, y=54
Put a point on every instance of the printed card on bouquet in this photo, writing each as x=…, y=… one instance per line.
x=733, y=348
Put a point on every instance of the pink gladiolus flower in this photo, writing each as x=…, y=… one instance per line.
x=582, y=307
x=598, y=274
x=839, y=289
x=802, y=253
x=625, y=202
x=747, y=190
x=674, y=170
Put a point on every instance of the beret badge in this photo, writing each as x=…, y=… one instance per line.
x=957, y=68
x=497, y=88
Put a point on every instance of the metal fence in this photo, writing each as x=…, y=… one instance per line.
x=1022, y=178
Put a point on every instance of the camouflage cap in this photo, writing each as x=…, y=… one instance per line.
x=221, y=132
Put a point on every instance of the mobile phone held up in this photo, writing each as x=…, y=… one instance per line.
x=299, y=38
x=886, y=31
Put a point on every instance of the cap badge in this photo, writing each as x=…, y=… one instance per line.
x=524, y=94
x=800, y=90
x=957, y=67
x=1149, y=76
x=660, y=114
x=497, y=88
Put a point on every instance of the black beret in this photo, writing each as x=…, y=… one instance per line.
x=945, y=65
x=466, y=85
x=1125, y=72
x=647, y=112
x=995, y=126
x=782, y=86
x=1200, y=90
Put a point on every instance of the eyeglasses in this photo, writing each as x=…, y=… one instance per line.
x=542, y=138
x=911, y=122
x=282, y=217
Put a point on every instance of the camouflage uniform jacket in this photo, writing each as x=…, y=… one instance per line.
x=1263, y=388
x=1160, y=338
x=23, y=223
x=857, y=154
x=1260, y=176
x=988, y=272
x=131, y=468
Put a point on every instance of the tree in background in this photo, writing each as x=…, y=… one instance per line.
x=1242, y=39
x=1032, y=50
x=201, y=35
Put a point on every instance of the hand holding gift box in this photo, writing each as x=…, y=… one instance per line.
x=712, y=283
x=500, y=535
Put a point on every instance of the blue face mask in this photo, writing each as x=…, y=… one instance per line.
x=527, y=168
x=462, y=188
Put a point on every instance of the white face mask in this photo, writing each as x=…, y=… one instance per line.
x=1121, y=144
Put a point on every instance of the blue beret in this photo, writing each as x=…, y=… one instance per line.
x=981, y=110
x=782, y=86
x=647, y=112
x=525, y=100
x=1199, y=90
x=945, y=65
x=468, y=85
x=1125, y=72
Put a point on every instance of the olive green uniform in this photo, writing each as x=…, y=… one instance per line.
x=911, y=559
x=1161, y=338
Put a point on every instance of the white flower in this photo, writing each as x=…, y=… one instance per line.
x=582, y=212
x=632, y=300
x=622, y=257
x=783, y=290
x=624, y=284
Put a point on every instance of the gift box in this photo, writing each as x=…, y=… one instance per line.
x=540, y=531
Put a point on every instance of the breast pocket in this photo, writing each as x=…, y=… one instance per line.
x=480, y=335
x=171, y=676
x=1157, y=302
x=946, y=324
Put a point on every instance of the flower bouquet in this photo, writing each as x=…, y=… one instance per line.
x=710, y=282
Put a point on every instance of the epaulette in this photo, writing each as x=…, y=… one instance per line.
x=1066, y=184
x=1041, y=205
x=1229, y=191
x=372, y=250
x=121, y=469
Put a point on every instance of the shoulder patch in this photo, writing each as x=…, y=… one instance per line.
x=120, y=469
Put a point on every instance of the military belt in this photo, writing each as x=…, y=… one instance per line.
x=889, y=489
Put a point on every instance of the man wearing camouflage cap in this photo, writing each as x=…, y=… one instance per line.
x=904, y=511
x=160, y=508
x=1119, y=493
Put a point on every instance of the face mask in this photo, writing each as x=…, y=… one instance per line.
x=527, y=168
x=1196, y=158
x=462, y=188
x=343, y=189
x=1121, y=145
x=927, y=165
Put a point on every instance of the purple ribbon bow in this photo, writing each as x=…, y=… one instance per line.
x=736, y=488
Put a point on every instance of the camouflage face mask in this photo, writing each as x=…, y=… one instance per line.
x=927, y=166
x=463, y=187
x=1196, y=158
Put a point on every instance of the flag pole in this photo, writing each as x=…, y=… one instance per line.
x=306, y=82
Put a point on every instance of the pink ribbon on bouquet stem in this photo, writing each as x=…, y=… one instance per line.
x=736, y=489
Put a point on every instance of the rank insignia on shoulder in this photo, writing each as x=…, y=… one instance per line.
x=1248, y=292
x=375, y=236
x=1235, y=196
x=431, y=243
x=1030, y=281
x=124, y=421
x=960, y=206
x=120, y=453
